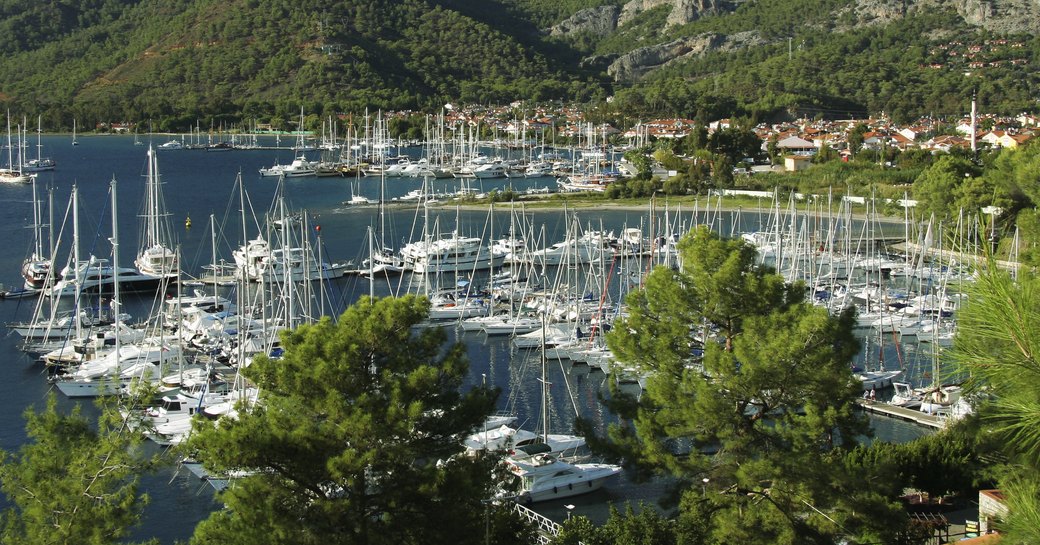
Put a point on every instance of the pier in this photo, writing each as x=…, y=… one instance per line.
x=902, y=413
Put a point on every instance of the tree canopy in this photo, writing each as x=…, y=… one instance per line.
x=355, y=438
x=748, y=403
x=74, y=482
x=996, y=344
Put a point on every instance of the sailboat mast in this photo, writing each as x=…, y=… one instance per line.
x=10, y=152
x=545, y=389
x=213, y=251
x=50, y=228
x=150, y=213
x=37, y=228
x=115, y=263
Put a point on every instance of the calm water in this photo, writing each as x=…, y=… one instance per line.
x=199, y=184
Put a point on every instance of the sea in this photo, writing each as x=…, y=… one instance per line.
x=200, y=188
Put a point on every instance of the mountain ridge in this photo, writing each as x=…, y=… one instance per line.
x=177, y=61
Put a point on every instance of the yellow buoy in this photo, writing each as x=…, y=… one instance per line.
x=187, y=223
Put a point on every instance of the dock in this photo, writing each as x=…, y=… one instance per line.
x=902, y=413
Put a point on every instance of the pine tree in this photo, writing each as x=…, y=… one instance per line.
x=74, y=482
x=355, y=438
x=998, y=332
x=748, y=403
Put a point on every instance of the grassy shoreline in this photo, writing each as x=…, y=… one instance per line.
x=577, y=201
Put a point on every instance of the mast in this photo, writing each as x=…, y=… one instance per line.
x=115, y=264
x=10, y=152
x=39, y=138
x=545, y=389
x=213, y=252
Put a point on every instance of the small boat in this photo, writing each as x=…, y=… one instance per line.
x=17, y=293
x=905, y=396
x=877, y=380
x=220, y=146
x=172, y=144
x=359, y=200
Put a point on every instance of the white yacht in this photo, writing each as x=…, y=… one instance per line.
x=260, y=262
x=544, y=477
x=97, y=275
x=494, y=169
x=586, y=249
x=510, y=439
x=300, y=167
x=112, y=373
x=449, y=254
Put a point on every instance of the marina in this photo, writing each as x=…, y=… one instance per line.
x=205, y=187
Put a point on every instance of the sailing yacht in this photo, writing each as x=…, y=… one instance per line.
x=112, y=373
x=94, y=275
x=40, y=163
x=156, y=258
x=36, y=269
x=13, y=173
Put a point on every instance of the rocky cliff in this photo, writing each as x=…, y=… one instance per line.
x=642, y=60
x=682, y=11
x=599, y=21
x=999, y=16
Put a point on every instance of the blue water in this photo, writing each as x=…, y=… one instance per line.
x=198, y=184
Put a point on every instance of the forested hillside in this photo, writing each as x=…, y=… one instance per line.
x=176, y=61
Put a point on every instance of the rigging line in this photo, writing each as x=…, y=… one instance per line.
x=567, y=383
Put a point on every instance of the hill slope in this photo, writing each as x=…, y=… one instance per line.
x=174, y=61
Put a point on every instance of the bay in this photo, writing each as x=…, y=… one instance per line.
x=198, y=184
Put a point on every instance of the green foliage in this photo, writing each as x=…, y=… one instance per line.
x=939, y=187
x=72, y=483
x=735, y=143
x=633, y=188
x=355, y=439
x=748, y=402
x=834, y=68
x=996, y=345
x=645, y=527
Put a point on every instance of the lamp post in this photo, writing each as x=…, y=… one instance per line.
x=569, y=507
x=704, y=486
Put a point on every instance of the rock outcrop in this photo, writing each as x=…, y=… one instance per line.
x=999, y=16
x=599, y=21
x=636, y=63
x=682, y=11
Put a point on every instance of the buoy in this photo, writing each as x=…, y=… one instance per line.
x=187, y=222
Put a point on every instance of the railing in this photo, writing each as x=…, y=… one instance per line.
x=547, y=529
